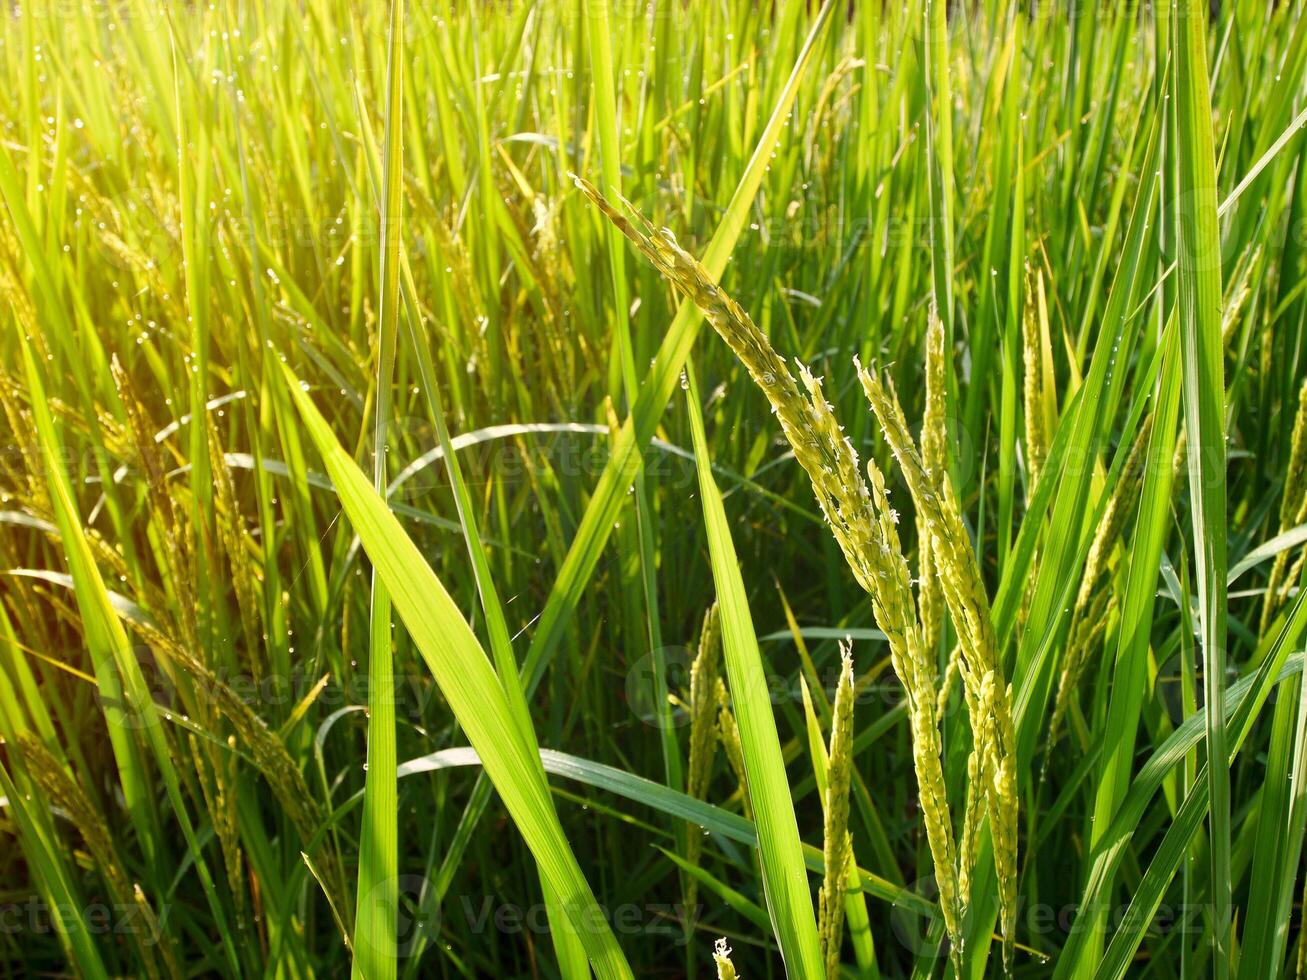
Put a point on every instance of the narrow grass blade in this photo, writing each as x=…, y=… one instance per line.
x=377, y=896
x=1199, y=299
x=657, y=388
x=1279, y=835
x=571, y=952
x=129, y=711
x=789, y=898
x=470, y=685
x=46, y=853
x=1130, y=660
x=858, y=922
x=646, y=792
x=1242, y=706
x=603, y=83
x=939, y=161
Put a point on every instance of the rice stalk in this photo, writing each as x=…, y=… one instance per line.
x=860, y=518
x=1293, y=511
x=705, y=675
x=174, y=551
x=836, y=850
x=234, y=539
x=934, y=456
x=964, y=592
x=1033, y=381
x=1094, y=599
x=214, y=773
x=728, y=733
x=62, y=791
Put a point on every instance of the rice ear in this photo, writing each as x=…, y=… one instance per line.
x=836, y=849
x=964, y=592
x=934, y=456
x=60, y=788
x=1032, y=352
x=1088, y=617
x=705, y=675
x=1293, y=511
x=857, y=511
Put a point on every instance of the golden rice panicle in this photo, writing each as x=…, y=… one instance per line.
x=892, y=604
x=704, y=678
x=891, y=600
x=959, y=572
x=1295, y=479
x=27, y=480
x=233, y=537
x=176, y=550
x=808, y=423
x=1116, y=512
x=1033, y=378
x=836, y=842
x=213, y=773
x=704, y=675
x=861, y=519
x=851, y=510
x=977, y=794
x=728, y=732
x=1293, y=511
x=1089, y=615
x=153, y=934
x=963, y=589
x=935, y=814
x=934, y=437
x=934, y=456
x=61, y=790
x=1003, y=804
x=721, y=955
x=266, y=751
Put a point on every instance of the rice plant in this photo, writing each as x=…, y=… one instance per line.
x=396, y=579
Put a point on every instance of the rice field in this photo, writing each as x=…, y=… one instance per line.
x=653, y=488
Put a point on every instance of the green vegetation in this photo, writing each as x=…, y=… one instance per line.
x=397, y=579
